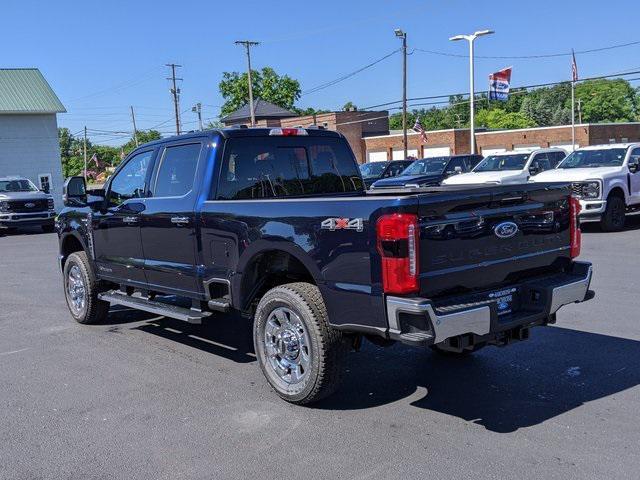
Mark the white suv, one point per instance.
(510, 167)
(606, 179)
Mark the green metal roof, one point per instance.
(24, 90)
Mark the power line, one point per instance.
(348, 75)
(518, 57)
(539, 85)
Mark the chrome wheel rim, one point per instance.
(287, 346)
(76, 290)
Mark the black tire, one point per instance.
(92, 310)
(613, 219)
(464, 353)
(48, 228)
(324, 353)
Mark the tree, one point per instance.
(349, 106)
(498, 118)
(542, 104)
(607, 101)
(143, 136)
(280, 90)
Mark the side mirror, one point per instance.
(457, 170)
(534, 170)
(74, 192)
(634, 164)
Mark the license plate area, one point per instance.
(505, 300)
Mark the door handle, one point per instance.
(130, 220)
(180, 220)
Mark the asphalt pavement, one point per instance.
(149, 397)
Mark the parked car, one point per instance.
(276, 224)
(22, 204)
(373, 171)
(430, 171)
(606, 179)
(510, 168)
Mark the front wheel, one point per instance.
(614, 216)
(81, 290)
(298, 352)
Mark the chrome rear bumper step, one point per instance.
(189, 315)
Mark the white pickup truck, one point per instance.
(606, 179)
(509, 168)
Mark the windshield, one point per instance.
(20, 185)
(372, 170)
(609, 157)
(496, 163)
(427, 166)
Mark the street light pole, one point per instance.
(471, 38)
(403, 36)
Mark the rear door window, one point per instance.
(176, 171)
(276, 167)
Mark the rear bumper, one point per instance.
(419, 321)
(12, 220)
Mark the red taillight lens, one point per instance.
(575, 233)
(397, 241)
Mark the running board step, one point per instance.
(416, 339)
(154, 306)
(219, 304)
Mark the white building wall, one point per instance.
(29, 147)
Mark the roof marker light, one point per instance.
(287, 132)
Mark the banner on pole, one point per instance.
(499, 83)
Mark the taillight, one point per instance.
(287, 132)
(398, 240)
(574, 228)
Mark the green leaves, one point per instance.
(280, 90)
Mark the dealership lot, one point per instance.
(150, 396)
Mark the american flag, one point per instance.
(574, 67)
(417, 127)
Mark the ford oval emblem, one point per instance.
(505, 230)
(29, 205)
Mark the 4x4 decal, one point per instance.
(335, 223)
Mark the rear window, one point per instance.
(255, 168)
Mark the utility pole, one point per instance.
(135, 130)
(84, 149)
(197, 108)
(247, 45)
(403, 36)
(175, 91)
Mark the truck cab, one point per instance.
(606, 179)
(509, 168)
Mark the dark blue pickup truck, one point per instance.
(276, 224)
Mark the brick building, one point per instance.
(454, 141)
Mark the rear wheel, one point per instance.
(81, 290)
(299, 353)
(614, 217)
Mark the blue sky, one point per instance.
(103, 56)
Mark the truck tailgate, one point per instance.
(484, 237)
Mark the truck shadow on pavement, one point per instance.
(501, 389)
(632, 223)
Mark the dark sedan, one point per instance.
(377, 170)
(430, 171)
